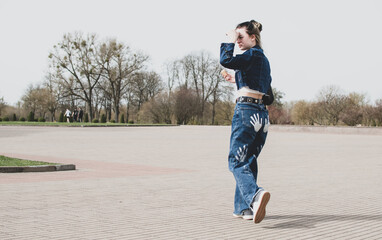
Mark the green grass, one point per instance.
(15, 162)
(76, 124)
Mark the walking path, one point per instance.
(174, 183)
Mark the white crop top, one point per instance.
(246, 89)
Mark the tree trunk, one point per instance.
(213, 111)
(116, 111)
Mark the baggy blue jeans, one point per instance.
(250, 124)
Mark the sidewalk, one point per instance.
(174, 183)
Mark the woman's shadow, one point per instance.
(310, 221)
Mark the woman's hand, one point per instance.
(230, 78)
(232, 36)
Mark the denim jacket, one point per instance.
(251, 68)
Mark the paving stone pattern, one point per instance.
(174, 183)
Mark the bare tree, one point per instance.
(352, 113)
(79, 70)
(119, 64)
(333, 102)
(160, 108)
(38, 100)
(377, 113)
(186, 106)
(55, 93)
(154, 84)
(201, 71)
(220, 90)
(173, 74)
(144, 86)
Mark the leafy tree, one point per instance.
(278, 114)
(3, 104)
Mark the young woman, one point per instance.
(250, 121)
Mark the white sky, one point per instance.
(310, 44)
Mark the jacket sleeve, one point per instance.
(227, 60)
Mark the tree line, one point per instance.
(108, 77)
(332, 106)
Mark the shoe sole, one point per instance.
(260, 214)
(243, 217)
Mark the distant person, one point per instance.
(80, 114)
(67, 115)
(75, 115)
(250, 121)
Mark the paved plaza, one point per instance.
(174, 183)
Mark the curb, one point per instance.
(42, 168)
(95, 125)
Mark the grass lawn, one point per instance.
(76, 124)
(15, 162)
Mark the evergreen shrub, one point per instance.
(30, 117)
(61, 117)
(103, 118)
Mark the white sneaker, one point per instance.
(259, 203)
(246, 214)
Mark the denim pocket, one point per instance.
(250, 114)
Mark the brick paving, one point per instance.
(174, 183)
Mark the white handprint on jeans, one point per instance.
(266, 124)
(241, 153)
(256, 121)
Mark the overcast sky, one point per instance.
(310, 44)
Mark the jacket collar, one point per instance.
(257, 46)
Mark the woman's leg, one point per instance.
(246, 144)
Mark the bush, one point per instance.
(95, 121)
(1, 119)
(86, 117)
(41, 119)
(30, 117)
(103, 118)
(112, 121)
(22, 119)
(61, 117)
(6, 119)
(131, 122)
(14, 117)
(122, 118)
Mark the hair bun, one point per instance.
(257, 25)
